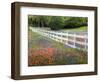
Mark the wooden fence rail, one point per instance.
(77, 40)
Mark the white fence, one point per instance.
(72, 39)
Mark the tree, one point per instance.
(56, 23)
(75, 22)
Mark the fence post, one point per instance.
(74, 40)
(85, 42)
(67, 38)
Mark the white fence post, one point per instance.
(85, 43)
(74, 40)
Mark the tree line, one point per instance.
(56, 22)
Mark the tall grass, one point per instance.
(44, 51)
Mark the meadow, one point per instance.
(44, 51)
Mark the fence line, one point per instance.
(72, 39)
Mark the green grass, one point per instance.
(64, 55)
(36, 37)
(83, 28)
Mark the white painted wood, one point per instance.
(63, 37)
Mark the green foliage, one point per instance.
(75, 22)
(57, 22)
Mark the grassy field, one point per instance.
(83, 28)
(44, 51)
